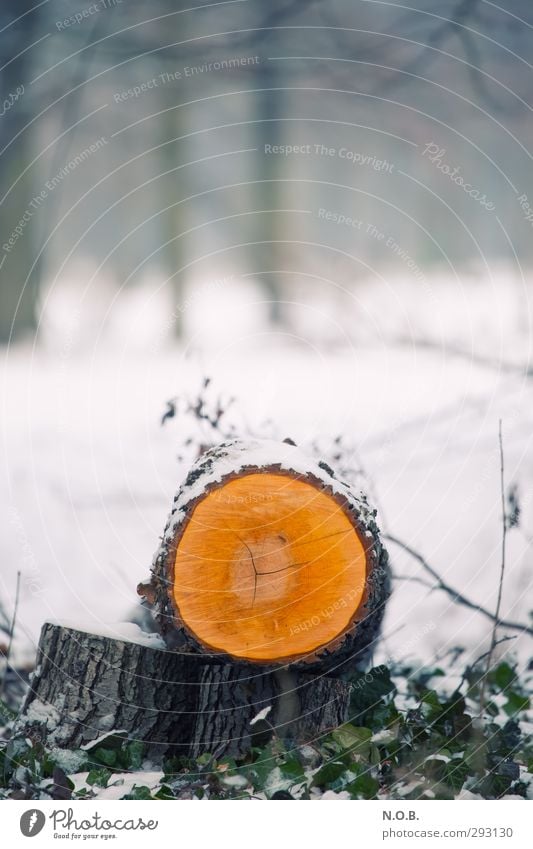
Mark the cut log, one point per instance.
(268, 558)
(86, 686)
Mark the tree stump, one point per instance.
(86, 686)
(268, 558)
(270, 576)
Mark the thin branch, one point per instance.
(504, 528)
(4, 620)
(497, 643)
(414, 579)
(458, 597)
(502, 568)
(477, 661)
(455, 351)
(11, 632)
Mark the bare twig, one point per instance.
(414, 579)
(4, 620)
(520, 369)
(471, 666)
(504, 529)
(458, 597)
(502, 569)
(11, 632)
(497, 643)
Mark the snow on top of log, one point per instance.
(236, 456)
(128, 632)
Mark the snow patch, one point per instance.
(332, 795)
(68, 760)
(126, 631)
(119, 785)
(99, 740)
(42, 714)
(235, 781)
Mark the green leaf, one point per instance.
(292, 768)
(382, 716)
(328, 773)
(6, 713)
(456, 773)
(99, 777)
(374, 756)
(369, 689)
(134, 754)
(354, 739)
(431, 705)
(516, 702)
(503, 676)
(82, 794)
(265, 761)
(105, 756)
(364, 787)
(139, 792)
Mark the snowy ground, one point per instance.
(89, 473)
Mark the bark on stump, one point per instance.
(86, 686)
(268, 558)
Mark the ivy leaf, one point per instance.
(139, 792)
(503, 676)
(134, 754)
(329, 773)
(516, 702)
(356, 740)
(99, 777)
(292, 768)
(108, 757)
(369, 689)
(364, 787)
(431, 706)
(456, 773)
(62, 787)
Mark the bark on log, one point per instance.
(86, 686)
(268, 558)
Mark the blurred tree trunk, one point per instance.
(267, 257)
(18, 293)
(171, 189)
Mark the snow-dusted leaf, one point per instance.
(261, 715)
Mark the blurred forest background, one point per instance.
(183, 166)
(321, 204)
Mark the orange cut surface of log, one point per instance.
(269, 567)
